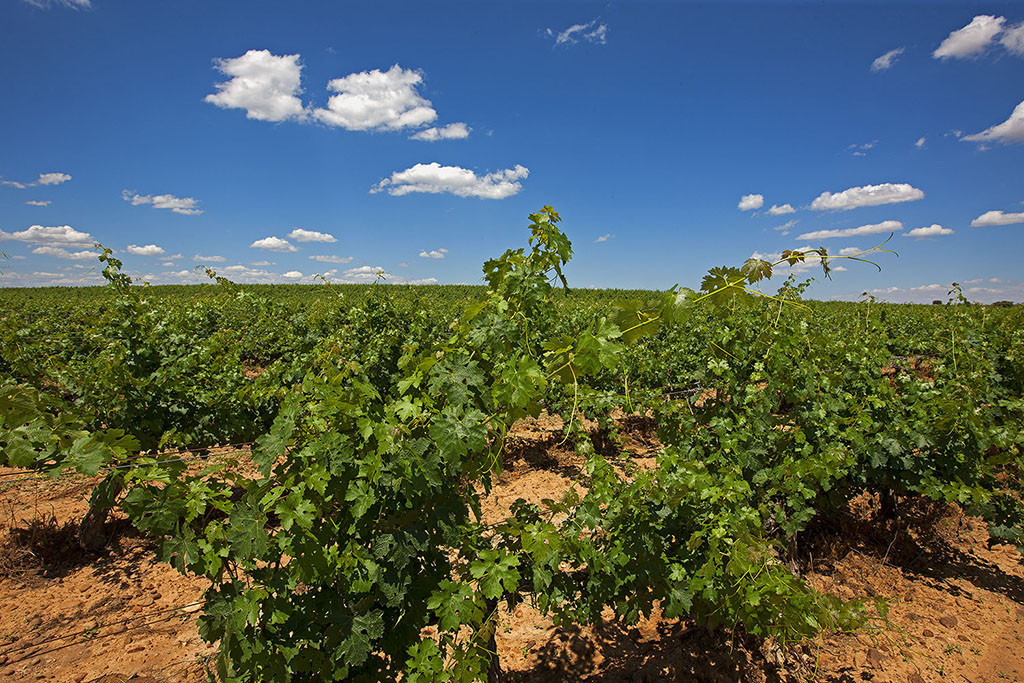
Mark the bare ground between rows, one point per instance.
(956, 606)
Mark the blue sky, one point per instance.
(417, 136)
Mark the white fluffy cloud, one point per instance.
(274, 244)
(266, 86)
(971, 40)
(781, 210)
(43, 179)
(990, 218)
(147, 250)
(188, 206)
(52, 179)
(933, 230)
(1010, 130)
(433, 253)
(367, 274)
(326, 258)
(886, 61)
(591, 32)
(920, 142)
(39, 202)
(434, 178)
(211, 259)
(292, 275)
(872, 229)
(453, 131)
(377, 100)
(60, 252)
(604, 238)
(868, 195)
(63, 235)
(302, 235)
(751, 201)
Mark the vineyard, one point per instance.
(453, 483)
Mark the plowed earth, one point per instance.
(955, 606)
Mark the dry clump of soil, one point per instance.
(954, 605)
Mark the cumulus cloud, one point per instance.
(868, 195)
(188, 206)
(266, 86)
(781, 210)
(434, 178)
(60, 252)
(871, 229)
(39, 202)
(1010, 130)
(147, 250)
(849, 251)
(302, 235)
(990, 218)
(590, 32)
(210, 259)
(63, 235)
(292, 275)
(453, 131)
(933, 230)
(326, 258)
(43, 179)
(887, 60)
(971, 40)
(751, 201)
(367, 274)
(274, 244)
(433, 253)
(604, 238)
(377, 100)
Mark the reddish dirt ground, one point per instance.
(955, 606)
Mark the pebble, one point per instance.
(948, 621)
(928, 633)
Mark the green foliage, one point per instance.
(355, 549)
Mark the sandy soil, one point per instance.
(955, 606)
